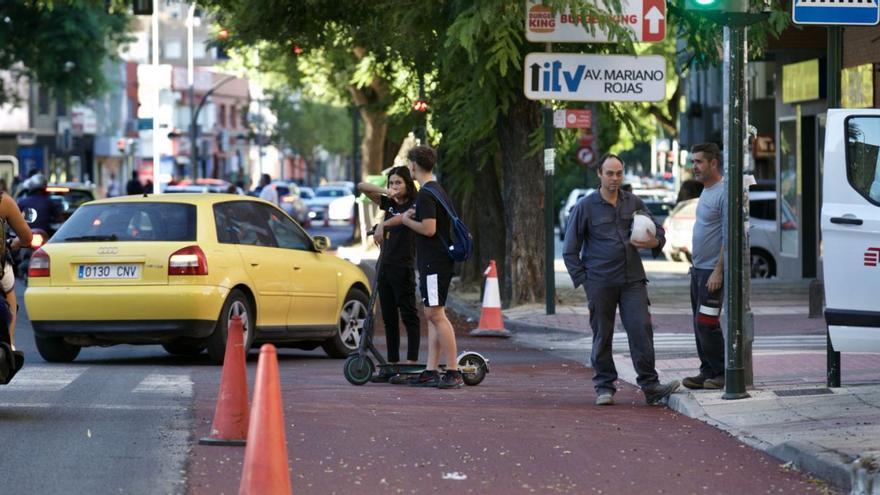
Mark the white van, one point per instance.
(851, 229)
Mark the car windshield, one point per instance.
(66, 198)
(331, 193)
(135, 221)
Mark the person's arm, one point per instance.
(575, 233)
(9, 210)
(716, 279)
(373, 191)
(427, 227)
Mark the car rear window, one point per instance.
(135, 221)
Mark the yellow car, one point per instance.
(173, 269)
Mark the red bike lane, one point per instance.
(530, 427)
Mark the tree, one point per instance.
(62, 45)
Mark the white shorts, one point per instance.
(8, 280)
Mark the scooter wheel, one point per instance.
(473, 369)
(358, 369)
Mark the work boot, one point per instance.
(695, 382)
(716, 383)
(654, 394)
(605, 399)
(427, 378)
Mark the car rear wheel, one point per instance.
(763, 265)
(56, 350)
(185, 347)
(237, 304)
(351, 325)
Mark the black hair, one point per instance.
(606, 156)
(709, 150)
(403, 173)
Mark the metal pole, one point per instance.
(734, 127)
(190, 80)
(549, 201)
(260, 136)
(157, 156)
(835, 63)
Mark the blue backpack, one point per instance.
(462, 246)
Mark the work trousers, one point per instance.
(706, 307)
(397, 297)
(632, 299)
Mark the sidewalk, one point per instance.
(790, 413)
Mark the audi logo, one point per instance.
(108, 250)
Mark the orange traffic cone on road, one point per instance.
(491, 322)
(231, 415)
(265, 469)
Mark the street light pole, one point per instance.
(549, 238)
(190, 80)
(155, 42)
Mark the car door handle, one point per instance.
(254, 263)
(296, 268)
(847, 220)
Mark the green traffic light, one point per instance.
(705, 2)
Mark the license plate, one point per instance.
(108, 271)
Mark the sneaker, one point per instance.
(384, 376)
(657, 392)
(605, 399)
(694, 382)
(403, 379)
(427, 378)
(451, 379)
(714, 383)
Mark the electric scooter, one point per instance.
(360, 367)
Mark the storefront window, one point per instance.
(788, 185)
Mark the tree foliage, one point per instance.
(60, 44)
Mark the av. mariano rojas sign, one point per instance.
(589, 77)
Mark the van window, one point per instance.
(863, 156)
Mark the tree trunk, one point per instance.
(483, 212)
(371, 101)
(522, 279)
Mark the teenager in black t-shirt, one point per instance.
(397, 285)
(430, 221)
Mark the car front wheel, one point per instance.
(351, 325)
(237, 304)
(762, 265)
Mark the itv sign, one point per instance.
(588, 77)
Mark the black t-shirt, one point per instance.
(399, 245)
(431, 250)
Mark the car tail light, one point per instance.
(288, 199)
(38, 239)
(188, 261)
(39, 264)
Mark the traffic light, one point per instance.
(143, 7)
(420, 106)
(728, 6)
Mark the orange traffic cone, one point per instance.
(231, 414)
(491, 323)
(265, 457)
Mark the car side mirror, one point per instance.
(322, 243)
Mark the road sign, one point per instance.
(588, 77)
(836, 12)
(645, 19)
(572, 118)
(585, 155)
(145, 124)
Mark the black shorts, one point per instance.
(434, 284)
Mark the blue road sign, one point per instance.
(836, 12)
(145, 124)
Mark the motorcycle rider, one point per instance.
(10, 213)
(38, 199)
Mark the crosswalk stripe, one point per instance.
(44, 378)
(165, 384)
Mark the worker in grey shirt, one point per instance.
(707, 274)
(599, 254)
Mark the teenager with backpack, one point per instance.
(397, 284)
(432, 224)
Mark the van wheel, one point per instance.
(762, 263)
(351, 325)
(56, 350)
(237, 304)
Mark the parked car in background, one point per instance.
(763, 236)
(658, 201)
(306, 193)
(203, 185)
(291, 202)
(173, 270)
(565, 210)
(332, 203)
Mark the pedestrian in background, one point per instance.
(600, 255)
(267, 190)
(707, 272)
(112, 186)
(134, 186)
(430, 221)
(397, 283)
